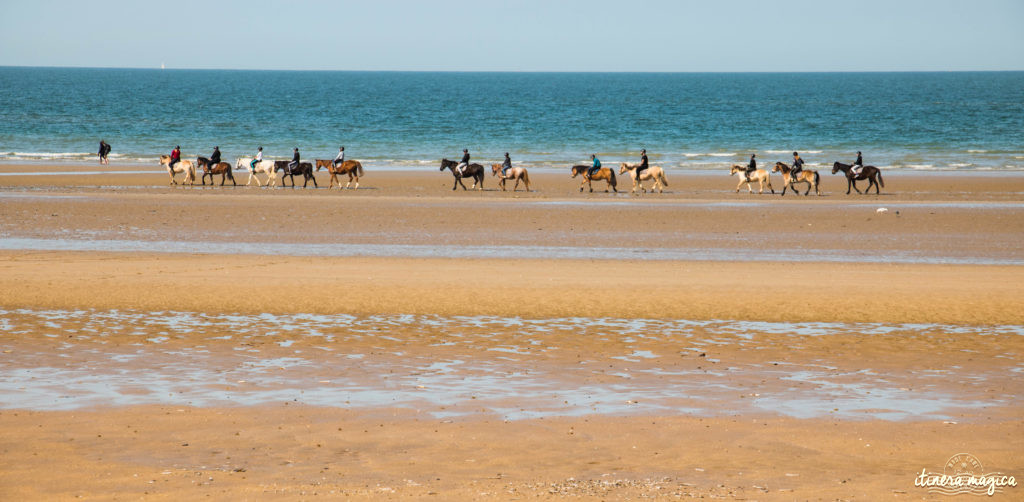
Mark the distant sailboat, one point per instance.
(162, 66)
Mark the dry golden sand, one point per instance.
(296, 451)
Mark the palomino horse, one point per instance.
(475, 171)
(805, 176)
(760, 176)
(515, 173)
(651, 173)
(870, 173)
(263, 166)
(183, 166)
(222, 168)
(304, 168)
(603, 173)
(350, 167)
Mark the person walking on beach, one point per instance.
(464, 163)
(798, 165)
(751, 167)
(175, 156)
(595, 167)
(857, 165)
(643, 163)
(256, 160)
(340, 158)
(104, 151)
(295, 161)
(506, 165)
(215, 156)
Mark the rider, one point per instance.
(257, 159)
(643, 163)
(464, 163)
(104, 150)
(215, 156)
(857, 165)
(798, 165)
(295, 160)
(751, 167)
(594, 168)
(340, 158)
(175, 156)
(506, 165)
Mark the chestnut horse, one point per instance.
(870, 173)
(350, 167)
(475, 171)
(222, 168)
(603, 173)
(183, 166)
(806, 176)
(760, 176)
(651, 173)
(515, 173)
(304, 168)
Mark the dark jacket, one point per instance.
(859, 161)
(465, 159)
(643, 161)
(215, 158)
(752, 166)
(295, 158)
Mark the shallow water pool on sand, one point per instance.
(512, 367)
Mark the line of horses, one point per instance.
(271, 168)
(354, 170)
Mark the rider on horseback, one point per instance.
(506, 165)
(295, 161)
(256, 160)
(751, 167)
(594, 168)
(215, 156)
(643, 163)
(340, 158)
(798, 165)
(464, 163)
(857, 166)
(175, 156)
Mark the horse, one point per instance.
(475, 171)
(761, 176)
(350, 167)
(183, 166)
(652, 173)
(222, 168)
(603, 173)
(263, 166)
(806, 176)
(516, 173)
(870, 173)
(304, 168)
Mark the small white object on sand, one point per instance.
(882, 210)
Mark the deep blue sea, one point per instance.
(923, 121)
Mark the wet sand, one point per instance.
(806, 348)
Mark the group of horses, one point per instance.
(271, 168)
(520, 174)
(762, 177)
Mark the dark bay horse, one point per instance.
(304, 168)
(350, 167)
(805, 176)
(222, 168)
(870, 173)
(604, 173)
(475, 171)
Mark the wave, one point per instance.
(977, 151)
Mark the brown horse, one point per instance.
(222, 168)
(183, 166)
(870, 173)
(304, 168)
(651, 173)
(475, 171)
(806, 176)
(603, 173)
(760, 176)
(350, 167)
(515, 173)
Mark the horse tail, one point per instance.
(359, 168)
(662, 176)
(611, 178)
(526, 177)
(817, 178)
(880, 182)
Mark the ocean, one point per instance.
(970, 121)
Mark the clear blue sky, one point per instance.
(526, 35)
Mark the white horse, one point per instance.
(182, 166)
(263, 166)
(759, 176)
(651, 173)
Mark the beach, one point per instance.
(404, 340)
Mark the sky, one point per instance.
(525, 35)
